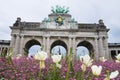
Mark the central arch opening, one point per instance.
(59, 47)
(84, 48)
(32, 47)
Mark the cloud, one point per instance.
(84, 11)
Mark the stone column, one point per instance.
(44, 45)
(12, 43)
(16, 49)
(21, 45)
(69, 45)
(116, 52)
(96, 49)
(74, 48)
(100, 47)
(106, 48)
(110, 57)
(48, 45)
(0, 47)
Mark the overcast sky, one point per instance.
(84, 11)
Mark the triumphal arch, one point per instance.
(60, 29)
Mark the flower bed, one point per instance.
(24, 68)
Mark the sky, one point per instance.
(81, 50)
(83, 11)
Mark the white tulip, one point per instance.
(42, 64)
(114, 74)
(41, 55)
(96, 70)
(118, 57)
(56, 58)
(86, 60)
(117, 61)
(18, 56)
(58, 65)
(102, 59)
(83, 67)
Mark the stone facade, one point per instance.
(4, 46)
(70, 34)
(114, 49)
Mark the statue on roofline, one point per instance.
(17, 22)
(60, 9)
(45, 21)
(52, 9)
(67, 10)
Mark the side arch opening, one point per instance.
(59, 47)
(32, 47)
(84, 48)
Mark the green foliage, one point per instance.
(2, 79)
(24, 68)
(70, 68)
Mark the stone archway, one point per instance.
(29, 44)
(88, 45)
(59, 43)
(50, 34)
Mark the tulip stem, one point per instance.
(69, 62)
(54, 71)
(82, 76)
(40, 71)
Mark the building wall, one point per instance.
(4, 46)
(114, 49)
(71, 33)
